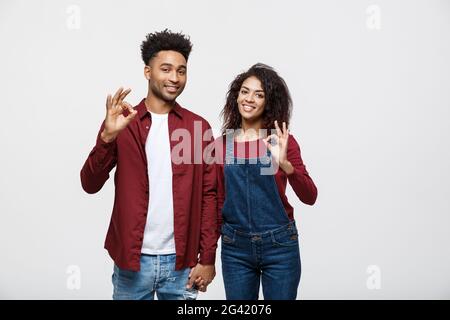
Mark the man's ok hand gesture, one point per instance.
(115, 121)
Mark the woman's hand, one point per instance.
(201, 276)
(279, 149)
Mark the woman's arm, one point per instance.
(299, 179)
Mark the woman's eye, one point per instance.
(260, 96)
(243, 92)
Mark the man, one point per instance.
(162, 231)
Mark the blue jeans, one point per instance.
(272, 257)
(158, 275)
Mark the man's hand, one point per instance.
(115, 121)
(202, 275)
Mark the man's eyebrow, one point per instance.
(250, 90)
(166, 64)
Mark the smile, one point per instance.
(248, 108)
(171, 88)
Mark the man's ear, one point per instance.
(147, 72)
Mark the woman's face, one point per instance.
(251, 99)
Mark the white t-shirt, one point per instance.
(159, 234)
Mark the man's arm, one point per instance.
(103, 156)
(204, 272)
(99, 163)
(208, 227)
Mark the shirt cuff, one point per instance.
(293, 173)
(105, 145)
(104, 151)
(208, 258)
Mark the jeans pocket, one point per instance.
(288, 238)
(227, 236)
(226, 239)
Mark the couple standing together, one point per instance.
(168, 215)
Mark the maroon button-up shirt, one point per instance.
(193, 184)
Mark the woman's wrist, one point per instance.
(287, 167)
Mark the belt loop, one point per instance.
(272, 236)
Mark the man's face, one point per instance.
(167, 74)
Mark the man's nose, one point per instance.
(173, 77)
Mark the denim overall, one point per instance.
(259, 242)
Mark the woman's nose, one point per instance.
(249, 98)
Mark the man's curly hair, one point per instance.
(165, 40)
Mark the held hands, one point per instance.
(279, 149)
(115, 121)
(202, 276)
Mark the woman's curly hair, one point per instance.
(278, 102)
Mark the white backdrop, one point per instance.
(370, 82)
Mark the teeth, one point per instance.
(171, 88)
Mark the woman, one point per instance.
(256, 221)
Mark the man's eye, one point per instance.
(165, 70)
(182, 72)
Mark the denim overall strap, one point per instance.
(229, 147)
(252, 201)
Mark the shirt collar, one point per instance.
(142, 109)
